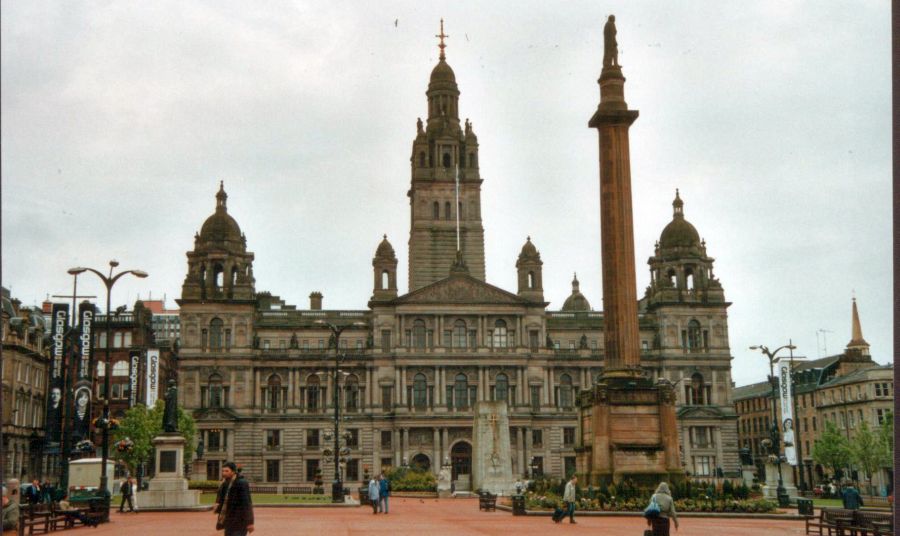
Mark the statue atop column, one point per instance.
(170, 414)
(610, 46)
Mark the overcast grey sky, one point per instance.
(120, 118)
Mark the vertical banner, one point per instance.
(86, 318)
(60, 321)
(787, 411)
(152, 390)
(134, 366)
(81, 414)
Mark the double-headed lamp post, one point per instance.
(776, 448)
(337, 486)
(109, 281)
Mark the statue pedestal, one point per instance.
(491, 460)
(770, 490)
(444, 482)
(748, 472)
(169, 489)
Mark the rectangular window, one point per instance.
(353, 438)
(446, 340)
(568, 437)
(880, 415)
(214, 440)
(814, 424)
(537, 438)
(535, 397)
(273, 439)
(282, 345)
(312, 438)
(351, 473)
(386, 439)
(305, 345)
(386, 464)
(359, 345)
(386, 402)
(321, 344)
(537, 466)
(702, 466)
(273, 470)
(385, 340)
(569, 466)
(533, 340)
(312, 467)
(126, 340)
(556, 345)
(473, 339)
(117, 340)
(644, 345)
(267, 344)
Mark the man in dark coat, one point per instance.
(851, 498)
(236, 509)
(34, 494)
(127, 491)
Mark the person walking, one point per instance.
(384, 491)
(235, 512)
(127, 491)
(569, 498)
(660, 523)
(851, 498)
(374, 489)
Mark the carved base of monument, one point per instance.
(629, 432)
(491, 460)
(748, 473)
(770, 489)
(169, 489)
(444, 482)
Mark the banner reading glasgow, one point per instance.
(59, 322)
(787, 411)
(134, 366)
(152, 391)
(86, 315)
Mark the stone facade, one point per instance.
(258, 373)
(26, 366)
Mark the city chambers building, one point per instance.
(259, 374)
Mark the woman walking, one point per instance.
(374, 488)
(660, 523)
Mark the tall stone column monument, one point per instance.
(168, 488)
(491, 460)
(627, 422)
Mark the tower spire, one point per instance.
(441, 45)
(856, 340)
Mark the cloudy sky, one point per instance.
(119, 119)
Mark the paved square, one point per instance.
(458, 517)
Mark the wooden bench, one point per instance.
(34, 517)
(487, 501)
(841, 522)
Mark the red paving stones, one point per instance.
(409, 517)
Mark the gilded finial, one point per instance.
(441, 36)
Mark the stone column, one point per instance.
(445, 444)
(612, 120)
(520, 451)
(397, 446)
(405, 445)
(376, 451)
(436, 447)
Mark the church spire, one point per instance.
(441, 45)
(856, 341)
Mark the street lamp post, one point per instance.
(108, 281)
(337, 486)
(783, 499)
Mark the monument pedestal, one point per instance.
(748, 473)
(491, 460)
(444, 482)
(770, 489)
(168, 490)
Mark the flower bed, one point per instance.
(549, 501)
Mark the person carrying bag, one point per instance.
(659, 511)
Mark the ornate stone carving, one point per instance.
(462, 289)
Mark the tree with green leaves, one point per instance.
(141, 424)
(831, 450)
(866, 450)
(886, 440)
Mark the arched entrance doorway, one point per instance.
(420, 463)
(461, 461)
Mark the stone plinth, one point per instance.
(770, 489)
(168, 490)
(444, 481)
(748, 473)
(629, 431)
(491, 460)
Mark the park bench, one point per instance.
(841, 522)
(487, 501)
(34, 517)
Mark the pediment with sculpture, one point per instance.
(461, 289)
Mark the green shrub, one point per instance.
(204, 485)
(407, 479)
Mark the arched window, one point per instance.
(218, 276)
(695, 339)
(234, 275)
(120, 368)
(436, 210)
(500, 339)
(459, 334)
(385, 280)
(312, 392)
(671, 277)
(214, 391)
(447, 161)
(418, 333)
(461, 392)
(689, 279)
(351, 393)
(420, 391)
(422, 159)
(447, 210)
(215, 334)
(530, 279)
(697, 392)
(471, 160)
(501, 387)
(565, 391)
(101, 369)
(273, 392)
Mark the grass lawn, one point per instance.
(273, 498)
(827, 503)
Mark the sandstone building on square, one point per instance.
(258, 373)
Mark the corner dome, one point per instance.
(220, 226)
(529, 251)
(576, 302)
(385, 250)
(679, 233)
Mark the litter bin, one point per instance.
(804, 506)
(518, 505)
(363, 495)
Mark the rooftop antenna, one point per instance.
(824, 340)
